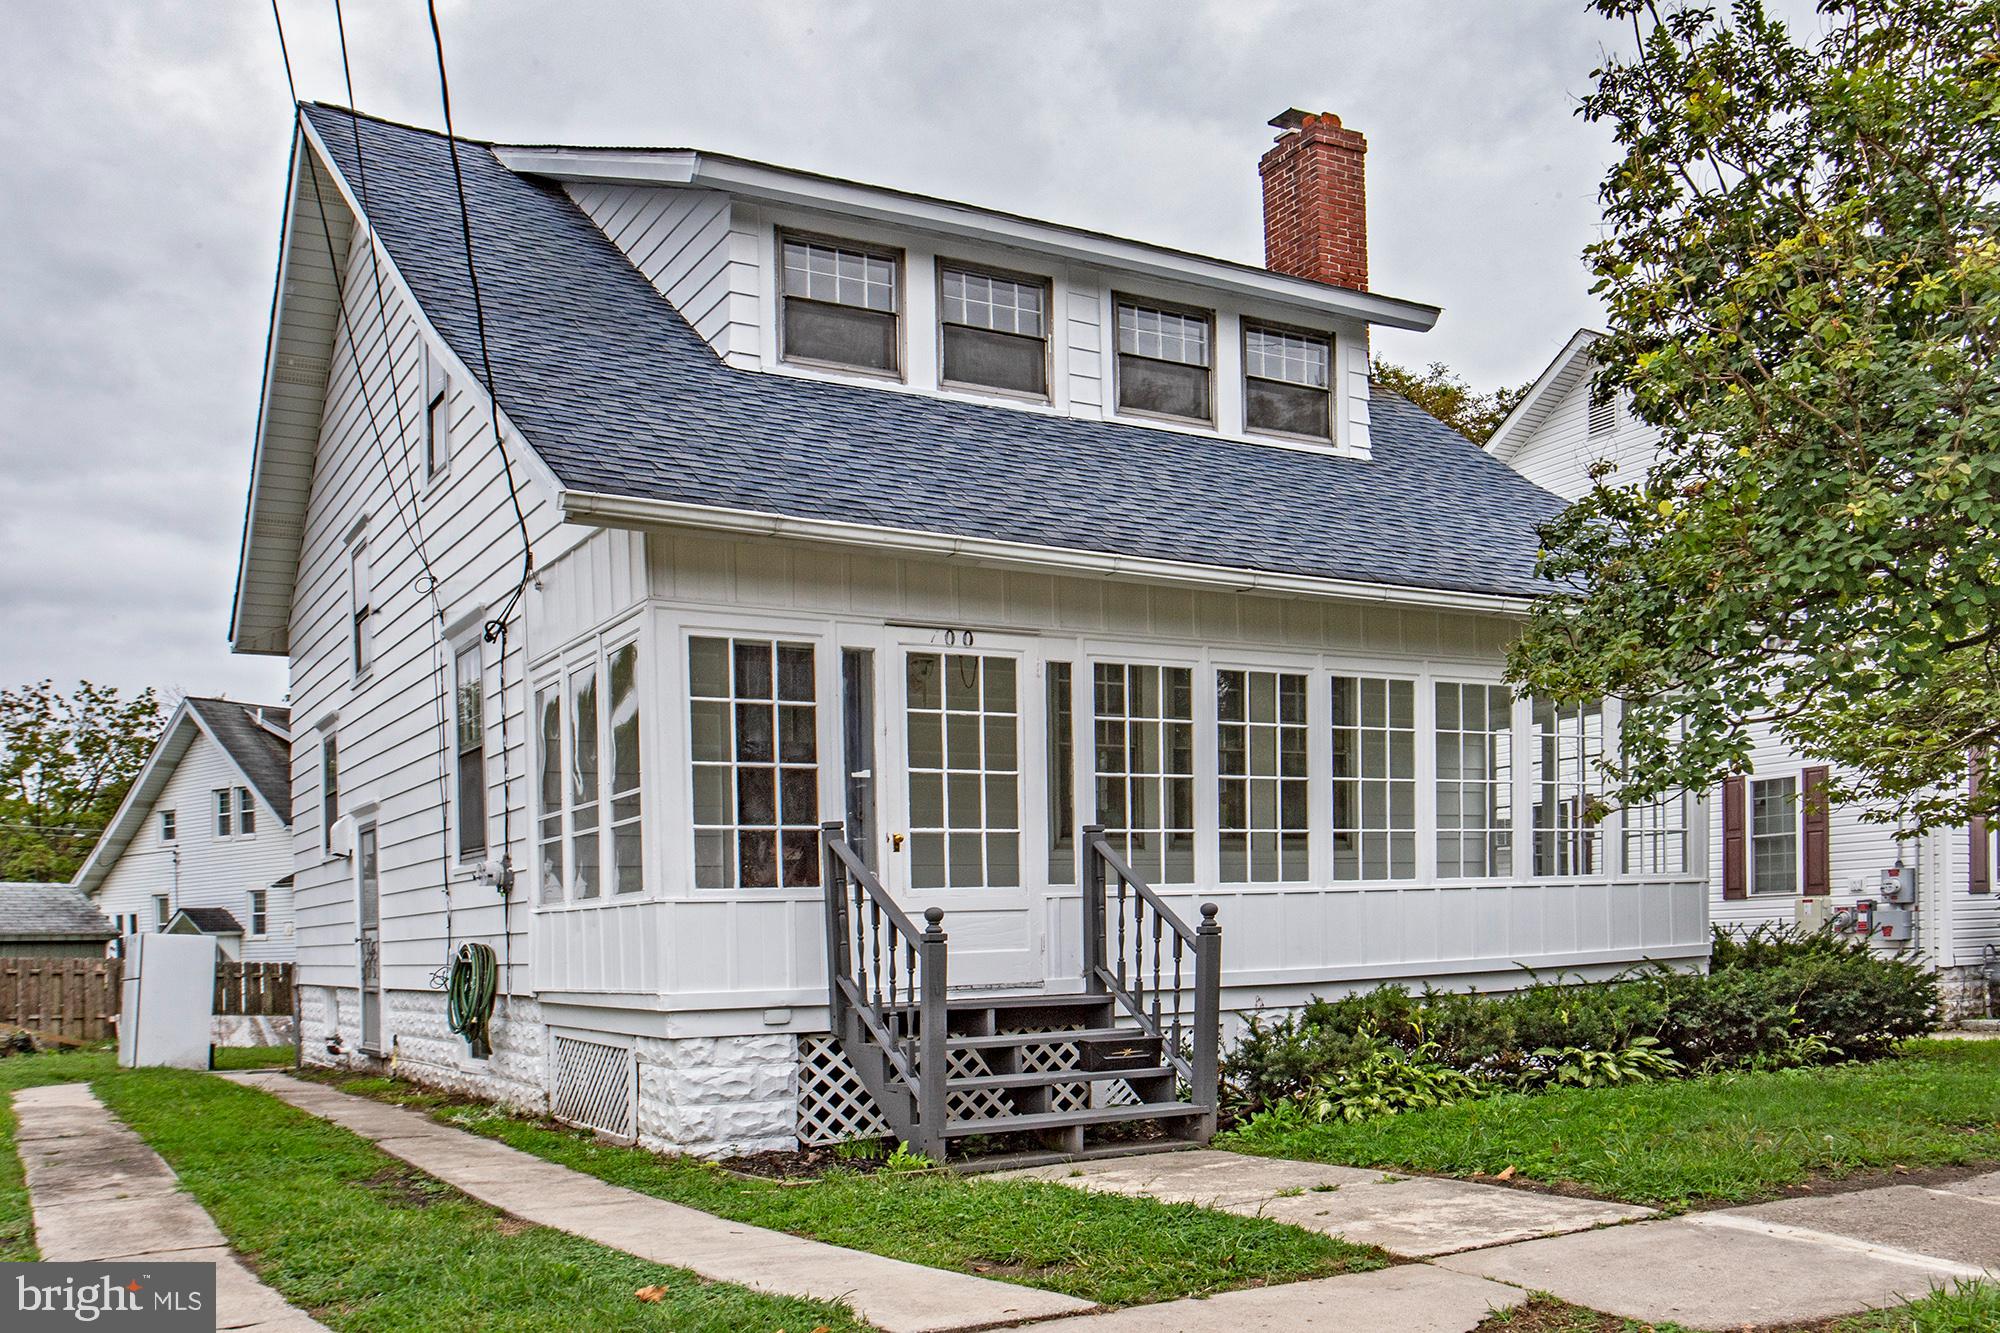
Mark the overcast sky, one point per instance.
(143, 148)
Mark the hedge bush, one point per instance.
(1771, 999)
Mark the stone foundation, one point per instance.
(1967, 993)
(719, 1095)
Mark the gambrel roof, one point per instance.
(623, 401)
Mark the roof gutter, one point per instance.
(622, 511)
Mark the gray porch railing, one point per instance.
(886, 994)
(1166, 976)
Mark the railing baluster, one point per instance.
(1158, 923)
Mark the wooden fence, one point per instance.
(253, 988)
(70, 999)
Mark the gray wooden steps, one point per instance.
(1096, 1115)
(1006, 1040)
(1047, 1077)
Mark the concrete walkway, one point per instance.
(889, 1293)
(99, 1193)
(1411, 1298)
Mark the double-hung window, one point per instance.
(1774, 835)
(841, 305)
(260, 912)
(1144, 743)
(1374, 778)
(1475, 780)
(1287, 382)
(162, 911)
(235, 812)
(469, 748)
(589, 829)
(1260, 732)
(1566, 777)
(169, 829)
(994, 331)
(754, 731)
(1165, 356)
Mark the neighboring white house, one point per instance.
(1773, 857)
(951, 527)
(203, 840)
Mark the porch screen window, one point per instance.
(840, 306)
(470, 744)
(549, 789)
(1475, 780)
(1163, 362)
(1774, 835)
(1261, 754)
(965, 771)
(995, 331)
(1374, 778)
(627, 844)
(585, 857)
(1145, 766)
(1062, 774)
(755, 734)
(1566, 774)
(1656, 836)
(1287, 383)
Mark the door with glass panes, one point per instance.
(961, 812)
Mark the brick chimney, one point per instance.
(1316, 201)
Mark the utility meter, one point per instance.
(1899, 885)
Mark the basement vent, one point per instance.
(593, 1086)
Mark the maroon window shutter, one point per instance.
(1818, 816)
(1733, 865)
(1979, 859)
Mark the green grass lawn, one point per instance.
(1723, 1138)
(364, 1242)
(1101, 1247)
(1964, 1307)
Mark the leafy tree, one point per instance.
(1801, 264)
(1439, 391)
(66, 761)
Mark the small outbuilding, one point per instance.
(51, 921)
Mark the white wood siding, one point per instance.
(697, 252)
(198, 869)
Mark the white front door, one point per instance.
(963, 823)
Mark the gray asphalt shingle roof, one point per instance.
(212, 920)
(50, 912)
(618, 394)
(264, 756)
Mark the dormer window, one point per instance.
(1164, 360)
(841, 306)
(1287, 382)
(995, 331)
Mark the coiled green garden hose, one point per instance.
(475, 979)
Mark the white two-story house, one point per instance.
(845, 556)
(1776, 855)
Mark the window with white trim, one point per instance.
(549, 792)
(581, 790)
(1061, 752)
(1287, 382)
(1566, 769)
(1144, 747)
(162, 911)
(622, 774)
(469, 749)
(437, 415)
(1260, 730)
(329, 789)
(1164, 361)
(260, 912)
(1474, 738)
(360, 607)
(1656, 836)
(169, 829)
(994, 331)
(1774, 835)
(963, 728)
(753, 705)
(1374, 778)
(841, 305)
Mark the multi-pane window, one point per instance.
(627, 844)
(1261, 757)
(1163, 361)
(1566, 771)
(1656, 836)
(1774, 835)
(260, 911)
(1062, 774)
(549, 786)
(755, 732)
(1475, 780)
(235, 812)
(169, 830)
(329, 789)
(469, 734)
(965, 771)
(1144, 743)
(437, 416)
(1374, 778)
(246, 812)
(995, 331)
(1287, 382)
(840, 305)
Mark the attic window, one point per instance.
(841, 306)
(437, 416)
(995, 331)
(1603, 414)
(1287, 382)
(1164, 357)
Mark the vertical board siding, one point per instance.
(68, 999)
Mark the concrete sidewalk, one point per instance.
(99, 1193)
(889, 1293)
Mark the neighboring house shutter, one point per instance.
(1734, 863)
(1818, 818)
(1979, 859)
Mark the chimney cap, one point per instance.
(1289, 119)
